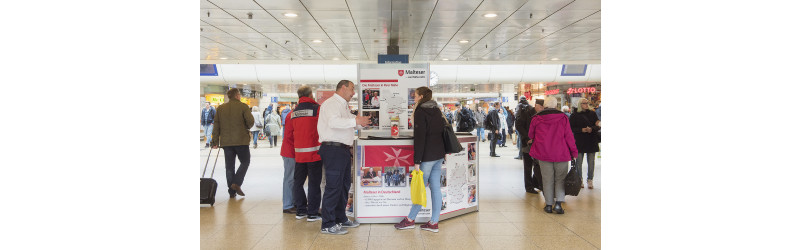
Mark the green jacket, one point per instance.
(232, 124)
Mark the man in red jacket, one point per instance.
(301, 125)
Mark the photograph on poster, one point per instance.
(395, 176)
(443, 179)
(370, 98)
(471, 172)
(471, 151)
(471, 191)
(411, 98)
(444, 199)
(374, 118)
(370, 177)
(409, 118)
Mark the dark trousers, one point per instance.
(231, 153)
(337, 162)
(531, 181)
(314, 170)
(493, 137)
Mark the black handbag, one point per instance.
(572, 180)
(452, 144)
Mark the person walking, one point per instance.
(429, 153)
(336, 127)
(231, 133)
(503, 126)
(302, 125)
(585, 125)
(553, 145)
(273, 127)
(480, 116)
(493, 124)
(207, 121)
(531, 180)
(258, 124)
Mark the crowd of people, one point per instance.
(317, 141)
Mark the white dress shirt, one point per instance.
(336, 123)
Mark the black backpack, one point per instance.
(466, 121)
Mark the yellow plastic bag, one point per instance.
(418, 188)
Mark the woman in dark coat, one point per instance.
(429, 152)
(585, 125)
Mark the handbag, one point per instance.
(418, 188)
(452, 144)
(572, 180)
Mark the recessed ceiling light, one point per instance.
(317, 41)
(444, 59)
(554, 59)
(290, 15)
(490, 15)
(464, 41)
(223, 58)
(336, 58)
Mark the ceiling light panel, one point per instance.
(325, 4)
(236, 4)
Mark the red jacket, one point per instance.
(288, 144)
(301, 130)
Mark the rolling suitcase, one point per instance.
(208, 186)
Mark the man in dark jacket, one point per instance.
(493, 124)
(523, 122)
(522, 105)
(234, 121)
(465, 121)
(207, 121)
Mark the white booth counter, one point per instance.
(381, 179)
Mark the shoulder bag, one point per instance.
(452, 144)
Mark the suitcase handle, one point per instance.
(207, 164)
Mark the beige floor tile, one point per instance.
(347, 241)
(245, 232)
(259, 219)
(594, 239)
(286, 240)
(535, 215)
(484, 217)
(206, 231)
(448, 229)
(455, 241)
(506, 242)
(542, 228)
(569, 217)
(233, 244)
(219, 219)
(584, 228)
(561, 242)
(395, 242)
(513, 207)
(389, 230)
(493, 229)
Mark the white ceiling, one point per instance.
(426, 30)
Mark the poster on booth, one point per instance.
(384, 95)
(383, 181)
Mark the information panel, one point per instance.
(384, 93)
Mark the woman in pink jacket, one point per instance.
(553, 145)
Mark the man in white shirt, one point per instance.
(336, 127)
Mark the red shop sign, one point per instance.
(580, 90)
(552, 92)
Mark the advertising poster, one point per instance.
(383, 179)
(385, 94)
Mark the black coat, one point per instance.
(428, 127)
(522, 124)
(585, 142)
(493, 121)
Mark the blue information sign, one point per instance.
(393, 59)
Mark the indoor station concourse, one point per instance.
(476, 52)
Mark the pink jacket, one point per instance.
(553, 139)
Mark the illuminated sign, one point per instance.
(580, 90)
(552, 92)
(214, 98)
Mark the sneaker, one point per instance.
(300, 216)
(313, 218)
(405, 224)
(430, 227)
(349, 224)
(335, 229)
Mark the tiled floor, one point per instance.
(508, 217)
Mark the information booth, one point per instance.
(383, 158)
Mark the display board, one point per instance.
(385, 93)
(382, 181)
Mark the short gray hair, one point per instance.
(550, 102)
(304, 91)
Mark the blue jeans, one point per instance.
(432, 171)
(207, 129)
(255, 136)
(480, 133)
(289, 181)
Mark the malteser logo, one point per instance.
(400, 72)
(414, 72)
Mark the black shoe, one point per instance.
(532, 191)
(291, 211)
(232, 195)
(518, 158)
(495, 156)
(548, 209)
(301, 216)
(558, 208)
(207, 145)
